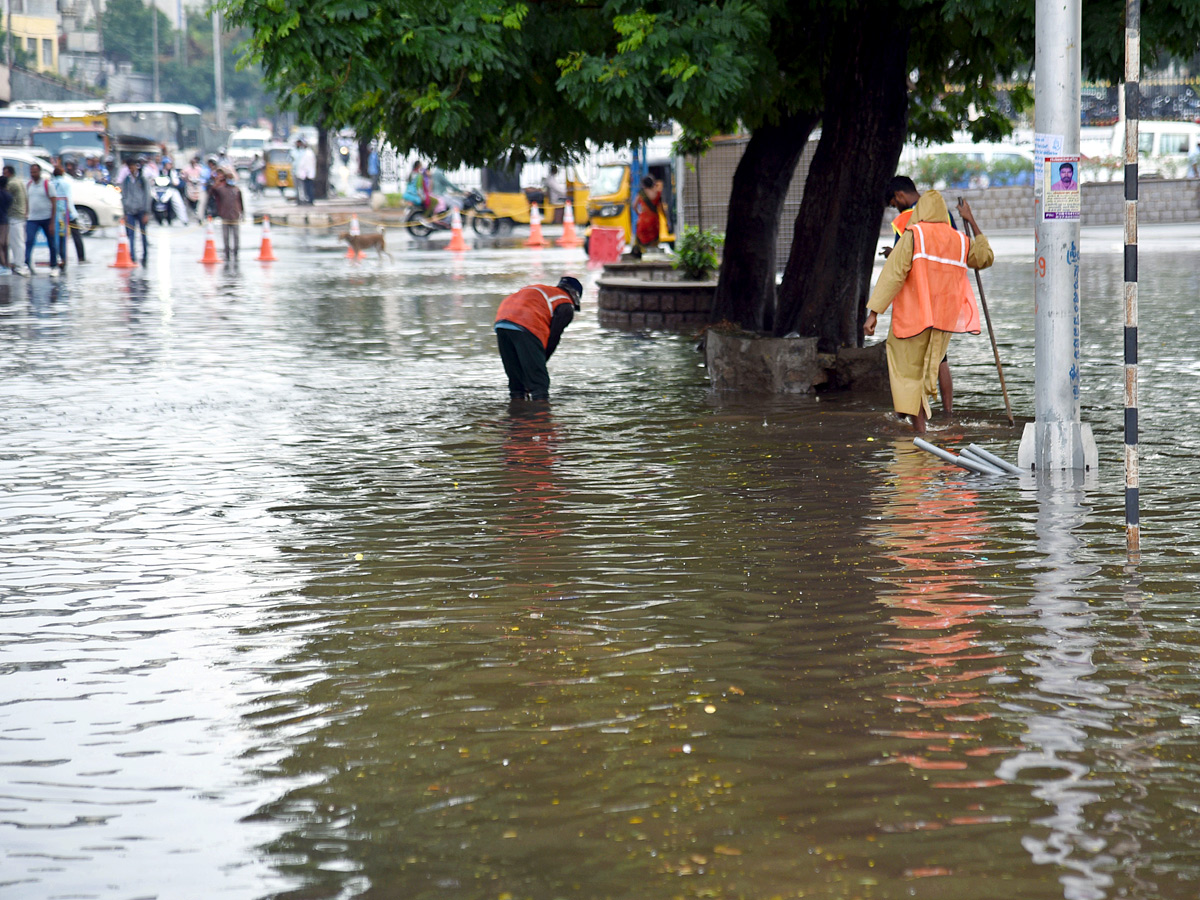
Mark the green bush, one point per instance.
(696, 252)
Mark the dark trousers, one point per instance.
(77, 238)
(524, 360)
(137, 221)
(47, 228)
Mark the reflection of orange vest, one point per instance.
(532, 308)
(936, 293)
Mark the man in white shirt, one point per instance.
(306, 172)
(41, 196)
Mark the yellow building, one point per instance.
(35, 30)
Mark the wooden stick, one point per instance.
(991, 333)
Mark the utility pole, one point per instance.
(218, 75)
(1057, 440)
(178, 30)
(154, 33)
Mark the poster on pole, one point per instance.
(1060, 197)
(1045, 145)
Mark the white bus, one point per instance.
(15, 124)
(174, 126)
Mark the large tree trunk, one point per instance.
(828, 275)
(746, 285)
(321, 187)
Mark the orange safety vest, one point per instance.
(936, 293)
(532, 308)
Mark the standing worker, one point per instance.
(902, 195)
(528, 327)
(925, 281)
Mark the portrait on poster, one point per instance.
(1060, 199)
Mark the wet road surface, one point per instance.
(296, 605)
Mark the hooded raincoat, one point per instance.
(926, 276)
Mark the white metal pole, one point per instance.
(1057, 440)
(218, 74)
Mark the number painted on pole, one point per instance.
(1041, 267)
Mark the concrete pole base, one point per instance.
(1053, 446)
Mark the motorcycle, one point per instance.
(166, 202)
(483, 221)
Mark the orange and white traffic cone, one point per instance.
(535, 238)
(265, 253)
(456, 234)
(124, 260)
(210, 245)
(569, 237)
(355, 231)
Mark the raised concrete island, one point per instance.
(651, 294)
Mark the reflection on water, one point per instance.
(297, 605)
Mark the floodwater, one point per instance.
(296, 606)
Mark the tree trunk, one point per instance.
(828, 276)
(746, 284)
(321, 187)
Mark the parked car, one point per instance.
(99, 205)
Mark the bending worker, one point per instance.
(529, 325)
(925, 282)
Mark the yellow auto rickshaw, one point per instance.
(510, 202)
(612, 193)
(278, 170)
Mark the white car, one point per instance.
(99, 205)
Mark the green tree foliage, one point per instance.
(128, 27)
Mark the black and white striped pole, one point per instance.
(1133, 65)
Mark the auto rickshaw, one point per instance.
(510, 202)
(277, 172)
(612, 194)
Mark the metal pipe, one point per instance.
(995, 460)
(950, 457)
(991, 470)
(1133, 40)
(1056, 439)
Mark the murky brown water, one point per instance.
(294, 604)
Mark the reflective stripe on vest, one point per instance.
(936, 293)
(525, 308)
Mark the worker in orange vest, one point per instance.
(925, 282)
(528, 327)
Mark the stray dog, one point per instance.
(359, 243)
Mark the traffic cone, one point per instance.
(456, 235)
(210, 245)
(535, 238)
(569, 238)
(124, 260)
(355, 231)
(265, 253)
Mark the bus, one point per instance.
(74, 112)
(16, 123)
(173, 126)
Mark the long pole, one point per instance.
(1133, 65)
(1057, 440)
(218, 74)
(154, 33)
(178, 30)
(991, 333)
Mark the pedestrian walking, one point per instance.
(41, 198)
(17, 214)
(225, 199)
(135, 201)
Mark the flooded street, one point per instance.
(296, 606)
